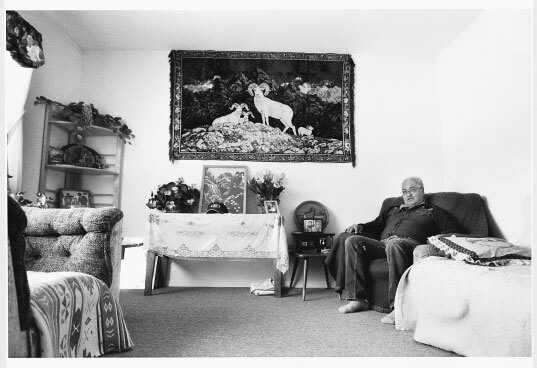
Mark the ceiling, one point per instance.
(340, 31)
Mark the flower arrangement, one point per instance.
(266, 187)
(176, 196)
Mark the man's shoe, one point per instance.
(389, 319)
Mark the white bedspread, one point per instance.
(468, 309)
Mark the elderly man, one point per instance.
(392, 235)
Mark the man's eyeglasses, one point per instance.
(411, 190)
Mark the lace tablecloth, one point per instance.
(235, 236)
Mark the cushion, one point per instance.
(482, 251)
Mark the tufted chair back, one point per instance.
(86, 240)
(467, 210)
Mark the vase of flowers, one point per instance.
(266, 187)
(176, 196)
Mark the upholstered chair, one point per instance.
(468, 212)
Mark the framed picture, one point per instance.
(225, 184)
(74, 198)
(271, 207)
(261, 106)
(313, 226)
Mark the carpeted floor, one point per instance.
(229, 322)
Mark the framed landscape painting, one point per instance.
(224, 184)
(261, 106)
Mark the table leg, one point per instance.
(295, 266)
(326, 274)
(305, 279)
(277, 281)
(161, 275)
(149, 271)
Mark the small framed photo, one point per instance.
(271, 207)
(313, 226)
(74, 198)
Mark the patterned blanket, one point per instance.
(76, 315)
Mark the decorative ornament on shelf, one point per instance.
(266, 187)
(85, 115)
(42, 200)
(176, 196)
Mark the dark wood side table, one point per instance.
(305, 256)
(130, 243)
(313, 242)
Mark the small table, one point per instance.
(214, 237)
(130, 243)
(306, 256)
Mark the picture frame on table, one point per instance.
(74, 198)
(224, 184)
(271, 206)
(313, 226)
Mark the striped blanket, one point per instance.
(76, 315)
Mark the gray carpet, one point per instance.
(229, 322)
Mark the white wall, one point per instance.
(485, 98)
(17, 82)
(481, 80)
(397, 130)
(59, 79)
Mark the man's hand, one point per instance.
(356, 229)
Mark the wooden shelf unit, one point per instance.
(75, 177)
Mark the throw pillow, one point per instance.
(482, 251)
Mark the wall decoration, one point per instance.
(74, 198)
(224, 184)
(261, 106)
(23, 41)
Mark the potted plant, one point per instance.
(84, 115)
(176, 196)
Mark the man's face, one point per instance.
(412, 193)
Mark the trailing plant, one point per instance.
(84, 115)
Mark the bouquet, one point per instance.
(265, 187)
(176, 196)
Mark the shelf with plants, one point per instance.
(81, 135)
(92, 130)
(81, 169)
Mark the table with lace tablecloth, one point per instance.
(216, 236)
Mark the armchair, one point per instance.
(70, 261)
(468, 212)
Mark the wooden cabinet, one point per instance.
(312, 242)
(103, 184)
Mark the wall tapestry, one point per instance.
(261, 106)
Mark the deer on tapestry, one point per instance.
(270, 108)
